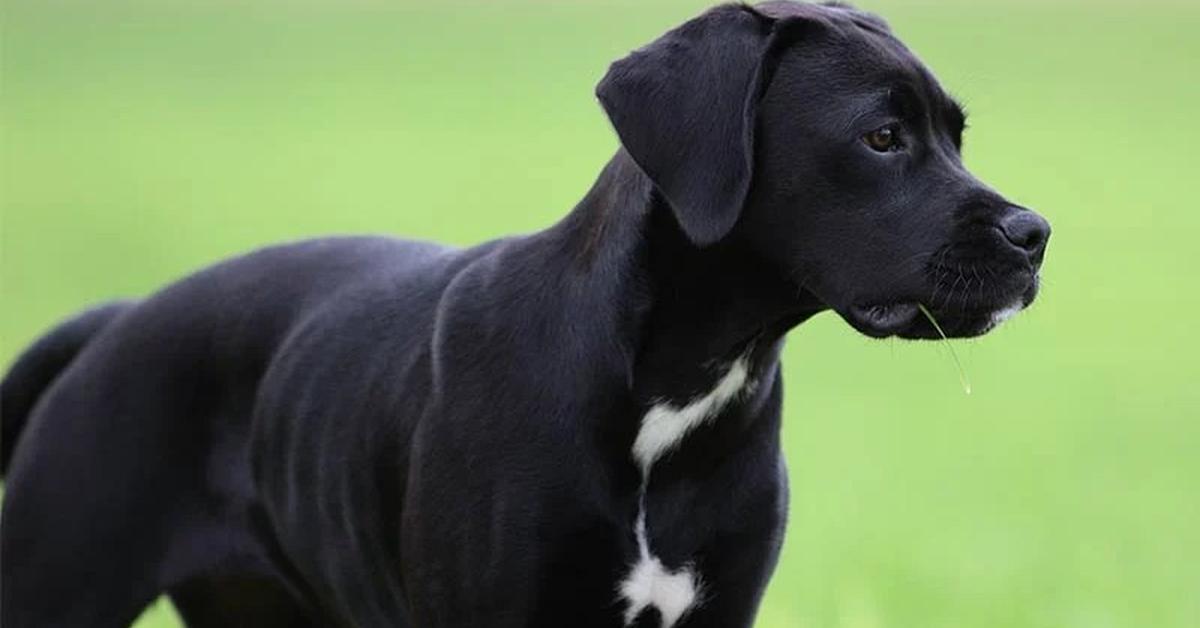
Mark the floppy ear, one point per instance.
(685, 106)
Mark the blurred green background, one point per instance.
(144, 140)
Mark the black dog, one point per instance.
(579, 427)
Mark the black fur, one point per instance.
(377, 432)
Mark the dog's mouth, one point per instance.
(883, 320)
(905, 319)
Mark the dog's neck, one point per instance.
(694, 310)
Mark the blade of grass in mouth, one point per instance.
(962, 373)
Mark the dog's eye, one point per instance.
(884, 139)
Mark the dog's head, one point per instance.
(811, 134)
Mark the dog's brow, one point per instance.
(956, 112)
(908, 98)
(862, 108)
(912, 100)
(955, 118)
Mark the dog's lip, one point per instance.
(883, 319)
(902, 316)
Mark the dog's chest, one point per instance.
(672, 590)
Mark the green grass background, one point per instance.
(142, 140)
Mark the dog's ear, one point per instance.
(684, 108)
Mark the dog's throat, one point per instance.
(650, 583)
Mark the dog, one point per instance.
(578, 427)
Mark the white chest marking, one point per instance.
(649, 582)
(664, 425)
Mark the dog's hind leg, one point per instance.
(225, 574)
(107, 480)
(78, 548)
(222, 601)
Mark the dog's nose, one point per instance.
(1027, 231)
